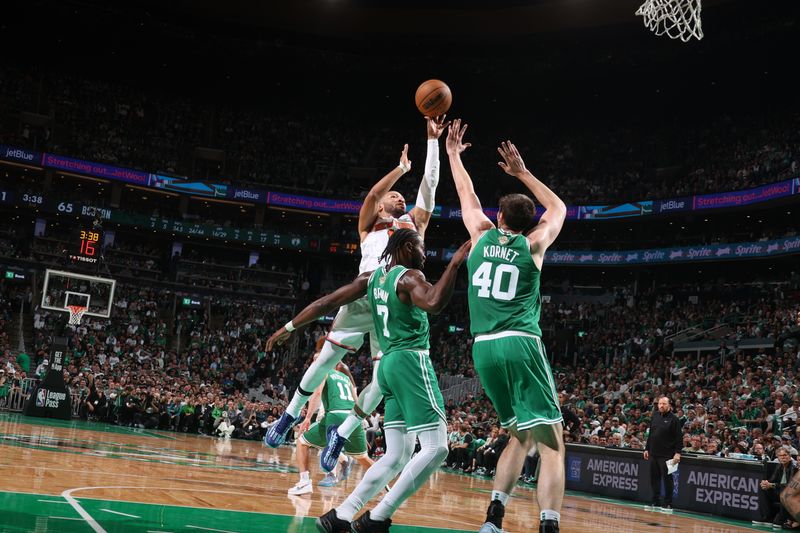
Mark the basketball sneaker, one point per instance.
(304, 486)
(347, 467)
(364, 524)
(330, 480)
(548, 526)
(330, 523)
(277, 433)
(494, 516)
(330, 454)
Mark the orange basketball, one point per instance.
(433, 98)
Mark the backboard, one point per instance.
(62, 289)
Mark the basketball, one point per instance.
(433, 98)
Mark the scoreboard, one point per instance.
(85, 245)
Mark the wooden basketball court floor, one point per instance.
(72, 476)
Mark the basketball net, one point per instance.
(677, 19)
(76, 313)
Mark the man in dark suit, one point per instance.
(772, 512)
(663, 443)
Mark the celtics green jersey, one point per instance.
(504, 285)
(338, 394)
(399, 326)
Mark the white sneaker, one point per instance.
(302, 487)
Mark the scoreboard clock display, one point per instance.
(86, 245)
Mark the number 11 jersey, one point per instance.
(503, 285)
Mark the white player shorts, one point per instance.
(352, 322)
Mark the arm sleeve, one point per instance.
(430, 180)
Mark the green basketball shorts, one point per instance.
(317, 434)
(411, 392)
(514, 371)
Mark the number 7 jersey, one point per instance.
(503, 285)
(399, 326)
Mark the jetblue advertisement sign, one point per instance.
(247, 195)
(673, 205)
(20, 155)
(763, 193)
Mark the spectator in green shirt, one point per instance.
(24, 362)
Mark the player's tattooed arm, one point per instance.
(341, 296)
(369, 209)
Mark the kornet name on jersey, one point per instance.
(373, 246)
(503, 285)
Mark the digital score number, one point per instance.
(86, 245)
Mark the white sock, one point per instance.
(399, 446)
(549, 514)
(297, 403)
(304, 476)
(501, 496)
(416, 472)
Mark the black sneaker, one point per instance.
(364, 524)
(330, 523)
(548, 526)
(495, 513)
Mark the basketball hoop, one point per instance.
(677, 19)
(76, 313)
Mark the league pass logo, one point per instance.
(41, 397)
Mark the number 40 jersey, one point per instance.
(503, 285)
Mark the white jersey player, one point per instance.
(383, 211)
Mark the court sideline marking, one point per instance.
(67, 495)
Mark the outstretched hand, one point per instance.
(436, 126)
(461, 253)
(512, 162)
(405, 162)
(455, 138)
(278, 338)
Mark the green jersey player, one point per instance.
(504, 267)
(400, 299)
